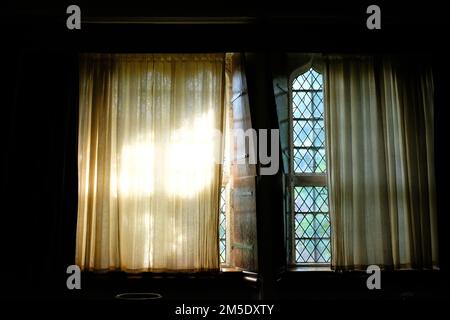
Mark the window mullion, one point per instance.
(315, 180)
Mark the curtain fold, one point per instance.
(379, 123)
(148, 171)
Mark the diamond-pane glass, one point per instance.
(311, 199)
(312, 251)
(312, 225)
(222, 227)
(309, 79)
(308, 123)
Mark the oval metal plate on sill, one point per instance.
(139, 296)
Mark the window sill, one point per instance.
(309, 267)
(225, 268)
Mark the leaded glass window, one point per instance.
(311, 229)
(308, 123)
(222, 226)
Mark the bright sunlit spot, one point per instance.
(191, 157)
(136, 169)
(189, 160)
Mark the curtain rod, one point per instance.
(168, 20)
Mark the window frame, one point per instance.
(302, 179)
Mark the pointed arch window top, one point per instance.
(309, 80)
(308, 125)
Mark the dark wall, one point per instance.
(41, 170)
(39, 183)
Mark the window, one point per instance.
(310, 220)
(223, 226)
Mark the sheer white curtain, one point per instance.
(381, 166)
(148, 171)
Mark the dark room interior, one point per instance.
(264, 44)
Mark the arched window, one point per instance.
(310, 224)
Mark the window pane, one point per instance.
(318, 133)
(311, 199)
(296, 85)
(312, 251)
(312, 229)
(305, 133)
(320, 164)
(222, 249)
(323, 253)
(305, 226)
(308, 123)
(222, 226)
(304, 160)
(298, 134)
(304, 251)
(302, 106)
(322, 223)
(318, 104)
(315, 80)
(312, 225)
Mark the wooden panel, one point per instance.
(243, 205)
(243, 241)
(241, 121)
